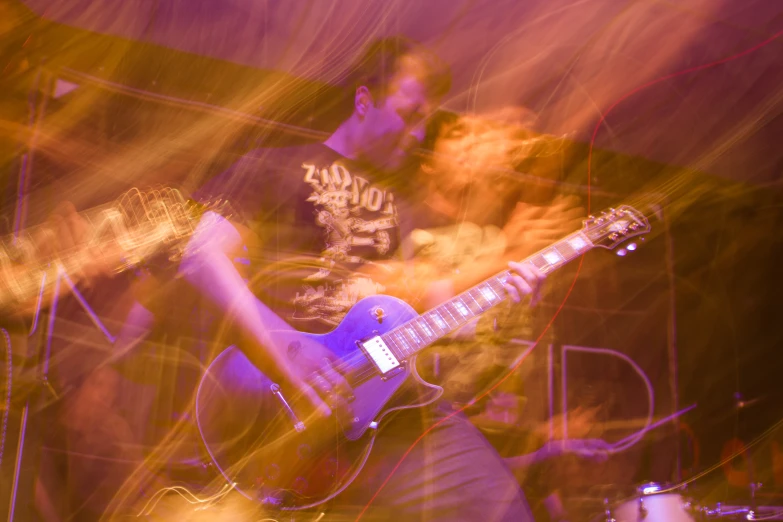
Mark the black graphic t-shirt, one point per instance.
(320, 218)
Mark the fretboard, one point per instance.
(410, 338)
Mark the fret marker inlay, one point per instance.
(488, 294)
(552, 257)
(577, 243)
(427, 330)
(440, 322)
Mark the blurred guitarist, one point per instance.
(329, 219)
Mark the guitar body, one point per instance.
(263, 443)
(252, 437)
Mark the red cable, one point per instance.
(581, 259)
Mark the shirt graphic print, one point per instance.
(359, 224)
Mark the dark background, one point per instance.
(720, 238)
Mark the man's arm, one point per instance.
(530, 228)
(595, 449)
(208, 268)
(423, 285)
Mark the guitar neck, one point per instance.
(412, 337)
(120, 235)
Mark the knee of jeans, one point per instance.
(92, 400)
(101, 385)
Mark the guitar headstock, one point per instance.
(145, 222)
(614, 226)
(217, 205)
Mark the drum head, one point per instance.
(653, 505)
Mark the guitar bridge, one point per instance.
(394, 372)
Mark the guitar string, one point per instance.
(461, 322)
(365, 370)
(365, 367)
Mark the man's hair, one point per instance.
(378, 66)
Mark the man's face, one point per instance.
(466, 150)
(395, 124)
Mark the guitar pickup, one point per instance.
(380, 354)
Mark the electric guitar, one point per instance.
(260, 440)
(121, 235)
